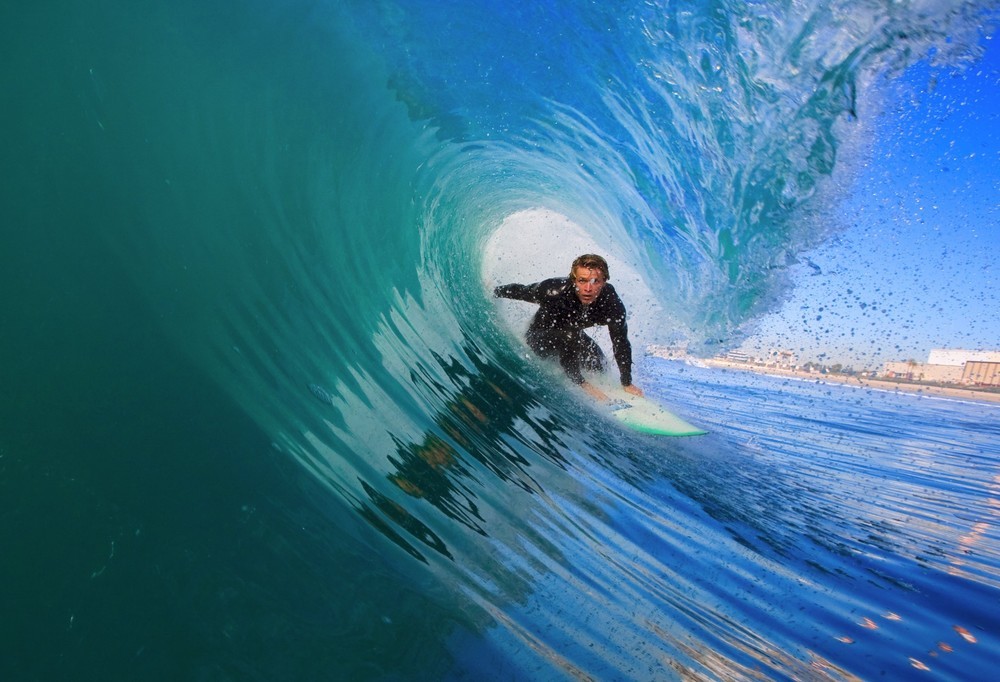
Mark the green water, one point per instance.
(150, 530)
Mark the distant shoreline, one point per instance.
(863, 382)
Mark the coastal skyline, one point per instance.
(915, 266)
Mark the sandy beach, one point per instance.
(864, 382)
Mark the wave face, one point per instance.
(278, 223)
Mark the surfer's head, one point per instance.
(589, 274)
(591, 261)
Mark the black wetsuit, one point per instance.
(557, 328)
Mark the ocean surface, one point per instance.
(260, 418)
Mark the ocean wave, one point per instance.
(313, 201)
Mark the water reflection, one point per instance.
(487, 423)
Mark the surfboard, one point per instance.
(648, 416)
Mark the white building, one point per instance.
(956, 357)
(955, 366)
(669, 352)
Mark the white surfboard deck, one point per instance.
(647, 415)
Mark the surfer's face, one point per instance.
(588, 283)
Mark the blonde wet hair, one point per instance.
(590, 261)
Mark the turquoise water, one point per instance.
(261, 419)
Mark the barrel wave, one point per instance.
(315, 447)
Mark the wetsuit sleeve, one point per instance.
(519, 292)
(618, 330)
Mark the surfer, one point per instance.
(567, 306)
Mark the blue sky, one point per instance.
(918, 266)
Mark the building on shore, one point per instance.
(981, 373)
(776, 359)
(950, 366)
(738, 356)
(674, 352)
(951, 356)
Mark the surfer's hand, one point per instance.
(594, 392)
(633, 389)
